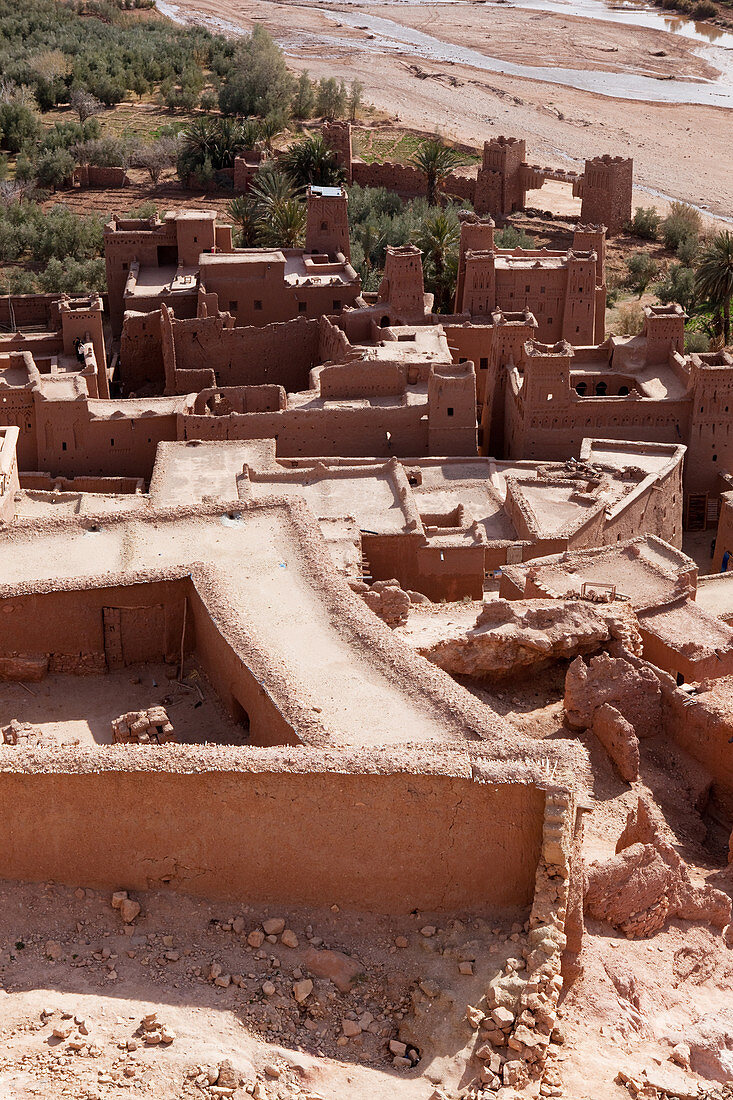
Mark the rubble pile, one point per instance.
(520, 1018)
(646, 882)
(19, 733)
(634, 693)
(510, 637)
(386, 599)
(143, 727)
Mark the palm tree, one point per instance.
(270, 127)
(284, 226)
(271, 186)
(246, 213)
(714, 277)
(437, 161)
(438, 239)
(312, 161)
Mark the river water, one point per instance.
(715, 45)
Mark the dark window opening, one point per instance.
(258, 304)
(384, 323)
(450, 412)
(240, 715)
(601, 389)
(302, 307)
(581, 389)
(623, 391)
(337, 303)
(63, 446)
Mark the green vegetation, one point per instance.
(311, 161)
(645, 223)
(378, 218)
(642, 269)
(714, 279)
(437, 161)
(58, 250)
(271, 214)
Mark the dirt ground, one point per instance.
(79, 709)
(678, 150)
(69, 963)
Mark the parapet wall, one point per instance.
(408, 181)
(362, 832)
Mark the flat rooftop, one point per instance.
(267, 580)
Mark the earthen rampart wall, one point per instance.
(371, 839)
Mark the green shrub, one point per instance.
(641, 270)
(511, 237)
(645, 223)
(682, 223)
(696, 341)
(679, 286)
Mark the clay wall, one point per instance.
(362, 379)
(314, 433)
(711, 423)
(9, 482)
(333, 343)
(134, 240)
(26, 310)
(95, 175)
(474, 343)
(72, 441)
(407, 181)
(141, 352)
(17, 410)
(64, 630)
(607, 192)
(556, 429)
(703, 726)
(327, 224)
(373, 842)
(279, 354)
(258, 295)
(337, 136)
(243, 694)
(724, 534)
(450, 573)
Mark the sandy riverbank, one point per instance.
(680, 150)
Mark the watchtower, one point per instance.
(477, 235)
(327, 224)
(402, 286)
(337, 136)
(452, 409)
(607, 192)
(499, 186)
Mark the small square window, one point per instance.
(337, 303)
(302, 307)
(234, 306)
(483, 363)
(258, 304)
(125, 267)
(450, 412)
(195, 240)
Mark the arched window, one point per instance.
(581, 389)
(601, 389)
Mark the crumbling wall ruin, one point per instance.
(647, 883)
